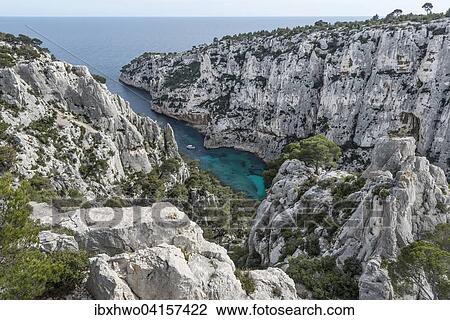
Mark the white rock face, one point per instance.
(404, 198)
(158, 253)
(404, 203)
(272, 284)
(296, 192)
(67, 126)
(52, 242)
(165, 272)
(104, 284)
(354, 86)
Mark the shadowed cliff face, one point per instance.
(258, 93)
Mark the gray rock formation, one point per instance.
(53, 242)
(271, 284)
(158, 253)
(67, 126)
(297, 197)
(407, 197)
(354, 85)
(403, 198)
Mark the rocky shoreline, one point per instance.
(261, 92)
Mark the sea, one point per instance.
(107, 44)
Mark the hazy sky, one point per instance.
(211, 7)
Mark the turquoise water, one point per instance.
(106, 44)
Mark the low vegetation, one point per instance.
(183, 74)
(424, 262)
(316, 151)
(222, 213)
(324, 279)
(26, 272)
(99, 78)
(93, 166)
(247, 283)
(19, 47)
(7, 158)
(394, 17)
(44, 129)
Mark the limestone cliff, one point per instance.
(354, 85)
(65, 125)
(399, 199)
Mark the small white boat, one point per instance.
(190, 147)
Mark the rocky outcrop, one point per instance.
(66, 125)
(407, 197)
(158, 253)
(271, 284)
(52, 242)
(298, 198)
(259, 92)
(401, 199)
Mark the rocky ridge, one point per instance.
(399, 199)
(65, 125)
(261, 92)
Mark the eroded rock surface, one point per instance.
(67, 126)
(354, 85)
(401, 198)
(158, 253)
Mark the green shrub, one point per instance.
(3, 128)
(41, 189)
(316, 151)
(312, 245)
(183, 74)
(11, 107)
(441, 236)
(44, 129)
(247, 283)
(179, 192)
(153, 187)
(27, 273)
(99, 78)
(7, 158)
(6, 57)
(75, 194)
(27, 52)
(306, 186)
(352, 266)
(239, 254)
(115, 203)
(422, 261)
(271, 172)
(92, 167)
(293, 240)
(170, 166)
(382, 190)
(16, 227)
(323, 278)
(347, 186)
(32, 274)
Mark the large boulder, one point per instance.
(157, 253)
(272, 284)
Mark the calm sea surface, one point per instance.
(106, 44)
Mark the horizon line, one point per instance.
(307, 16)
